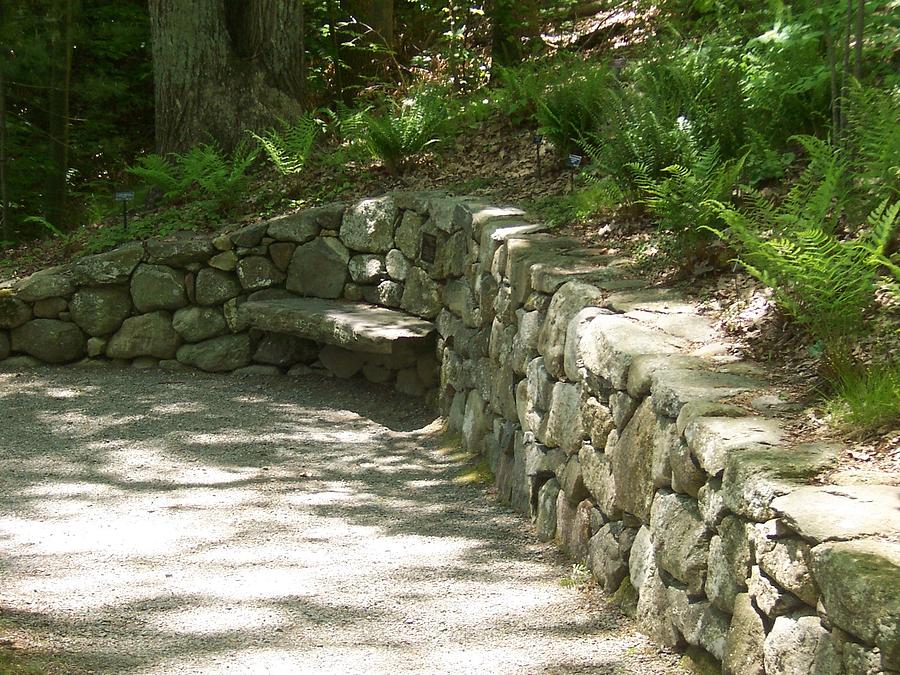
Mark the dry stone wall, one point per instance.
(610, 412)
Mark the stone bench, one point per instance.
(351, 325)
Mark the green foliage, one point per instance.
(289, 148)
(638, 130)
(203, 173)
(826, 284)
(566, 113)
(866, 399)
(679, 200)
(874, 141)
(405, 129)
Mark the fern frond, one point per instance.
(290, 147)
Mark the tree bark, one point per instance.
(221, 68)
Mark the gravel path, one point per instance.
(154, 522)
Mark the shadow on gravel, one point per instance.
(158, 523)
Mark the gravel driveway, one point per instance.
(156, 522)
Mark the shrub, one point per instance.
(289, 148)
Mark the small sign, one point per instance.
(429, 248)
(537, 139)
(573, 161)
(125, 196)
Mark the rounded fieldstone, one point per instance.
(54, 282)
(145, 335)
(319, 268)
(50, 308)
(421, 295)
(215, 287)
(196, 324)
(397, 265)
(220, 354)
(50, 340)
(279, 349)
(13, 312)
(111, 267)
(100, 311)
(369, 225)
(155, 287)
(226, 261)
(256, 273)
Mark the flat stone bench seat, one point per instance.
(352, 325)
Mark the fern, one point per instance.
(874, 141)
(289, 148)
(679, 199)
(408, 128)
(202, 173)
(159, 172)
(826, 284)
(567, 113)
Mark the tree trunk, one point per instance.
(221, 68)
(58, 113)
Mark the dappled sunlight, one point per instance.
(287, 538)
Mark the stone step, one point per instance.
(352, 325)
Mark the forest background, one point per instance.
(762, 133)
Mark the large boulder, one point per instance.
(220, 354)
(319, 268)
(112, 267)
(196, 324)
(155, 287)
(860, 585)
(682, 539)
(145, 335)
(13, 312)
(50, 340)
(421, 295)
(54, 282)
(178, 252)
(369, 225)
(256, 272)
(301, 227)
(568, 301)
(100, 310)
(215, 287)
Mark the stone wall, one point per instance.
(175, 303)
(609, 411)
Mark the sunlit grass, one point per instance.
(866, 400)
